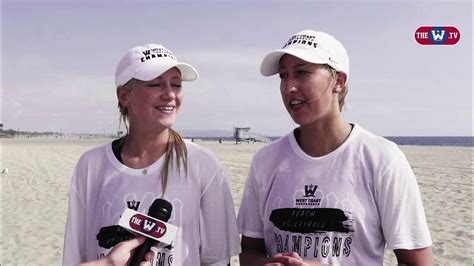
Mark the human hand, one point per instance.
(290, 259)
(121, 254)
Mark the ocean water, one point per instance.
(433, 141)
(417, 141)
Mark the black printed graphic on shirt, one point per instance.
(308, 220)
(313, 232)
(110, 236)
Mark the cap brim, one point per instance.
(271, 62)
(188, 72)
(152, 71)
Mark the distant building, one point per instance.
(1, 127)
(243, 134)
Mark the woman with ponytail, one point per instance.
(151, 161)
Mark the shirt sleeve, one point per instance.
(250, 219)
(218, 227)
(74, 241)
(400, 206)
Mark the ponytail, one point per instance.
(122, 109)
(174, 147)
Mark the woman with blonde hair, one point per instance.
(151, 161)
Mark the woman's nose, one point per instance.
(168, 92)
(288, 86)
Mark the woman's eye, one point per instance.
(283, 75)
(153, 85)
(176, 85)
(302, 72)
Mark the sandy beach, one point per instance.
(35, 193)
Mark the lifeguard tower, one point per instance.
(243, 134)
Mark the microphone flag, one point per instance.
(147, 226)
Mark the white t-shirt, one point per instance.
(203, 208)
(340, 208)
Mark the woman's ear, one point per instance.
(122, 96)
(340, 82)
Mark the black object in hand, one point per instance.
(161, 210)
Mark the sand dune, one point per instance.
(36, 186)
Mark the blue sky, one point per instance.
(59, 59)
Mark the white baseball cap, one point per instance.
(149, 62)
(311, 46)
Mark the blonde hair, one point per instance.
(175, 147)
(343, 93)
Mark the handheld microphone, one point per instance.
(161, 210)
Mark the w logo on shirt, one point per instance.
(133, 205)
(309, 190)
